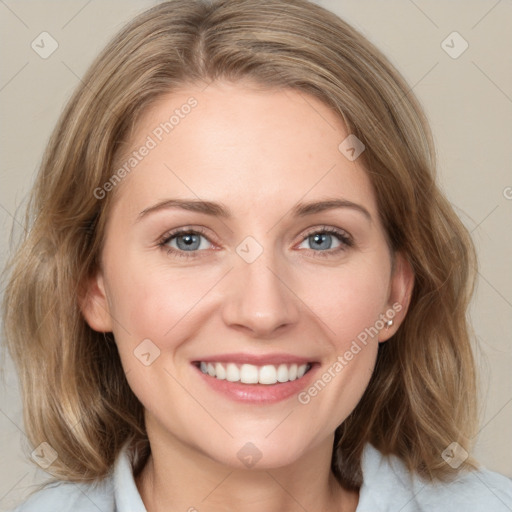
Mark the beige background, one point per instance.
(468, 101)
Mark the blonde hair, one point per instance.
(421, 396)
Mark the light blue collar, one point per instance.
(388, 487)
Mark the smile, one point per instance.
(254, 374)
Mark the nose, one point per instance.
(259, 299)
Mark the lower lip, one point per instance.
(258, 393)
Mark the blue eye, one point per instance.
(322, 239)
(188, 242)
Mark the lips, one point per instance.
(252, 378)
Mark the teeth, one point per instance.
(282, 373)
(268, 374)
(232, 372)
(220, 371)
(251, 374)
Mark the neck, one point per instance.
(178, 477)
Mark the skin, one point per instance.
(259, 152)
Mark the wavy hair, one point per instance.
(422, 395)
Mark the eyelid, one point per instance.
(183, 230)
(329, 229)
(201, 230)
(345, 239)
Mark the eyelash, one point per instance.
(344, 238)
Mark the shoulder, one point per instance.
(115, 493)
(65, 496)
(389, 486)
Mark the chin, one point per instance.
(258, 453)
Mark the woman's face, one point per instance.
(262, 286)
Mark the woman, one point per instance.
(241, 285)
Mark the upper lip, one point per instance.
(255, 359)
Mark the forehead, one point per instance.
(249, 147)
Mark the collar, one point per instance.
(378, 481)
(387, 487)
(126, 494)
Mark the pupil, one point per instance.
(321, 237)
(187, 241)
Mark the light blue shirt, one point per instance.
(387, 487)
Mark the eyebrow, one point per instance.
(220, 210)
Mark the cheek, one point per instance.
(348, 301)
(157, 302)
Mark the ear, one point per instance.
(401, 286)
(94, 304)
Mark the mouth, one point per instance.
(256, 379)
(267, 374)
